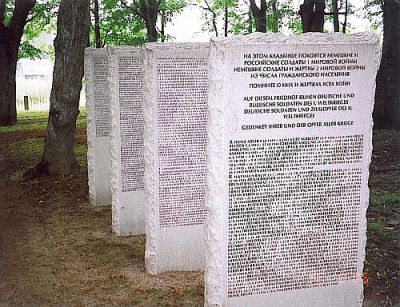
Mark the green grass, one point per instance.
(27, 152)
(36, 121)
(384, 199)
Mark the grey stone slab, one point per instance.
(288, 149)
(127, 157)
(175, 91)
(98, 125)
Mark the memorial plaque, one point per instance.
(175, 92)
(289, 146)
(127, 158)
(98, 125)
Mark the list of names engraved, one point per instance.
(131, 123)
(101, 95)
(295, 167)
(182, 90)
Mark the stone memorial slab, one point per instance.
(289, 145)
(175, 91)
(128, 201)
(98, 125)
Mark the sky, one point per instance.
(187, 26)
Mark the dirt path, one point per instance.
(57, 249)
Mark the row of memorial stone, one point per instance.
(271, 134)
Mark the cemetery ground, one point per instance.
(55, 248)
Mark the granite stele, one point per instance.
(175, 91)
(127, 158)
(289, 145)
(98, 125)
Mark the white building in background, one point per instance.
(35, 69)
(34, 79)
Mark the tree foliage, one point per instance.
(240, 19)
(373, 11)
(123, 22)
(118, 25)
(41, 20)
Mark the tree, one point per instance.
(373, 11)
(270, 16)
(335, 14)
(113, 24)
(228, 15)
(42, 19)
(72, 37)
(387, 95)
(167, 9)
(259, 15)
(148, 11)
(312, 15)
(96, 14)
(12, 23)
(281, 13)
(213, 11)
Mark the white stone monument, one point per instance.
(98, 125)
(175, 91)
(289, 145)
(128, 201)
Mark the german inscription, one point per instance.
(101, 95)
(182, 89)
(131, 123)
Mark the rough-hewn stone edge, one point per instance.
(91, 125)
(150, 155)
(214, 191)
(113, 54)
(310, 38)
(174, 46)
(115, 148)
(150, 142)
(375, 65)
(214, 179)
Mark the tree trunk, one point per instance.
(312, 14)
(96, 13)
(151, 30)
(214, 17)
(163, 22)
(275, 17)
(250, 23)
(8, 67)
(335, 13)
(10, 40)
(226, 19)
(69, 45)
(387, 95)
(149, 13)
(346, 12)
(259, 15)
